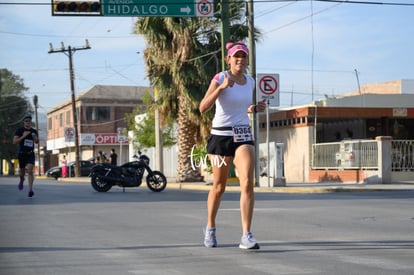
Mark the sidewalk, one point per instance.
(233, 185)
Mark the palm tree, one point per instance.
(181, 56)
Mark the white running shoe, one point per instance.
(248, 242)
(210, 237)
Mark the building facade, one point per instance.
(356, 116)
(363, 116)
(100, 114)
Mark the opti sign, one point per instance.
(267, 87)
(101, 139)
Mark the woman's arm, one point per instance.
(212, 93)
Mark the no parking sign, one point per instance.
(267, 87)
(69, 134)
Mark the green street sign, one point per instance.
(167, 8)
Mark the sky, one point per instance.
(318, 48)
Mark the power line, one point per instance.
(272, 10)
(367, 2)
(69, 52)
(263, 1)
(291, 2)
(342, 1)
(303, 18)
(65, 36)
(103, 123)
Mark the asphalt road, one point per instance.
(68, 228)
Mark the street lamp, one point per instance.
(35, 103)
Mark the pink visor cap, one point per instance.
(237, 47)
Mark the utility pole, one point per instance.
(35, 101)
(357, 78)
(252, 67)
(225, 31)
(159, 158)
(69, 51)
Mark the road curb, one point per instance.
(233, 186)
(181, 186)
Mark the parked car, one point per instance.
(85, 169)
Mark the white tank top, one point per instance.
(232, 104)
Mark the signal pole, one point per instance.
(225, 32)
(35, 103)
(252, 70)
(69, 51)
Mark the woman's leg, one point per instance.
(220, 166)
(244, 163)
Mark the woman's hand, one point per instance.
(227, 82)
(261, 106)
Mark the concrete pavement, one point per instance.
(68, 228)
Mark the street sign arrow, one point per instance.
(186, 10)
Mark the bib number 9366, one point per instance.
(242, 133)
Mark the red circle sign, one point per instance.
(70, 132)
(268, 85)
(204, 7)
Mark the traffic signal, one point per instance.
(76, 7)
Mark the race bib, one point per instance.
(28, 143)
(242, 133)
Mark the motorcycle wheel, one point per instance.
(99, 184)
(157, 181)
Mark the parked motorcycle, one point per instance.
(104, 175)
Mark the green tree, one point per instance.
(13, 106)
(182, 55)
(144, 134)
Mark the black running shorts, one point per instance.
(25, 158)
(223, 145)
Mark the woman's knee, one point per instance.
(219, 188)
(247, 187)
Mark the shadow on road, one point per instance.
(266, 247)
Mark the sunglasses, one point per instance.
(27, 120)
